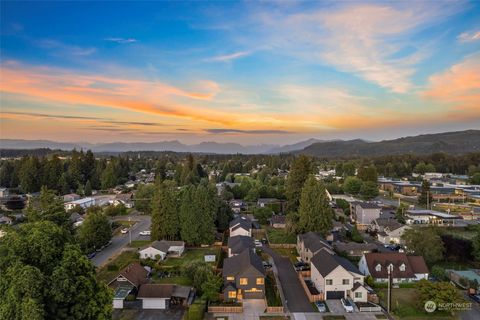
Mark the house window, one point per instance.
(243, 281)
(329, 282)
(260, 281)
(345, 281)
(402, 267)
(358, 295)
(230, 278)
(378, 267)
(232, 294)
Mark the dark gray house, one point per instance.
(238, 244)
(308, 244)
(243, 277)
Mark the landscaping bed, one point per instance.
(271, 292)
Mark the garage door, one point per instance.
(253, 295)
(335, 294)
(154, 303)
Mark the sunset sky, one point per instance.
(247, 72)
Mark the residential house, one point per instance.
(127, 281)
(84, 203)
(76, 219)
(241, 226)
(310, 243)
(403, 268)
(354, 249)
(388, 230)
(421, 216)
(278, 221)
(363, 213)
(71, 197)
(158, 250)
(123, 198)
(4, 192)
(263, 202)
(244, 277)
(237, 205)
(335, 276)
(464, 278)
(238, 244)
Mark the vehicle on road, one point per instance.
(124, 230)
(347, 305)
(91, 255)
(475, 297)
(321, 306)
(145, 233)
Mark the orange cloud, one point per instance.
(458, 86)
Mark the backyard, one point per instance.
(290, 253)
(108, 272)
(190, 254)
(281, 236)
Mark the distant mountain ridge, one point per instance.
(458, 142)
(448, 142)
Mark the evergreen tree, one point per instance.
(315, 213)
(369, 190)
(476, 245)
(425, 198)
(368, 174)
(189, 222)
(301, 168)
(109, 177)
(352, 185)
(88, 188)
(206, 213)
(29, 175)
(165, 214)
(48, 207)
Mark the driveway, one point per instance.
(335, 307)
(295, 296)
(120, 241)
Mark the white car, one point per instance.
(145, 233)
(347, 305)
(257, 243)
(124, 230)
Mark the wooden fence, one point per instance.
(305, 274)
(283, 245)
(311, 297)
(225, 309)
(274, 310)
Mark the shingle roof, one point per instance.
(240, 263)
(325, 263)
(413, 264)
(391, 224)
(314, 241)
(240, 243)
(134, 273)
(165, 245)
(154, 290)
(280, 219)
(368, 205)
(242, 222)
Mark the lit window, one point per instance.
(230, 278)
(232, 294)
(243, 281)
(345, 281)
(358, 294)
(260, 281)
(329, 282)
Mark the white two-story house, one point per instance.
(241, 226)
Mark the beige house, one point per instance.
(308, 244)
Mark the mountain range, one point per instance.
(448, 142)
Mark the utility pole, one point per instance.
(130, 230)
(428, 199)
(389, 293)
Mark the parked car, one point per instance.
(321, 306)
(264, 241)
(257, 243)
(266, 265)
(145, 233)
(91, 255)
(347, 305)
(475, 297)
(300, 264)
(124, 230)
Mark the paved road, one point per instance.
(122, 240)
(297, 300)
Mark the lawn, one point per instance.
(109, 271)
(281, 236)
(139, 243)
(404, 305)
(196, 311)
(181, 281)
(190, 254)
(290, 253)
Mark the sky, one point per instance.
(247, 72)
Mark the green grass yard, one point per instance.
(190, 254)
(109, 271)
(290, 253)
(281, 236)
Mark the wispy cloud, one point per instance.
(469, 36)
(230, 131)
(61, 48)
(229, 57)
(121, 40)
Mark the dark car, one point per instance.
(91, 255)
(475, 297)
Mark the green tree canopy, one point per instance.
(165, 214)
(426, 242)
(352, 185)
(95, 231)
(369, 190)
(425, 198)
(299, 171)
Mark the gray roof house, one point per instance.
(335, 276)
(243, 277)
(238, 244)
(160, 249)
(241, 226)
(310, 243)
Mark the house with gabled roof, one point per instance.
(335, 277)
(241, 226)
(403, 268)
(243, 277)
(158, 250)
(388, 230)
(308, 244)
(238, 244)
(363, 213)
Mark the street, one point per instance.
(121, 240)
